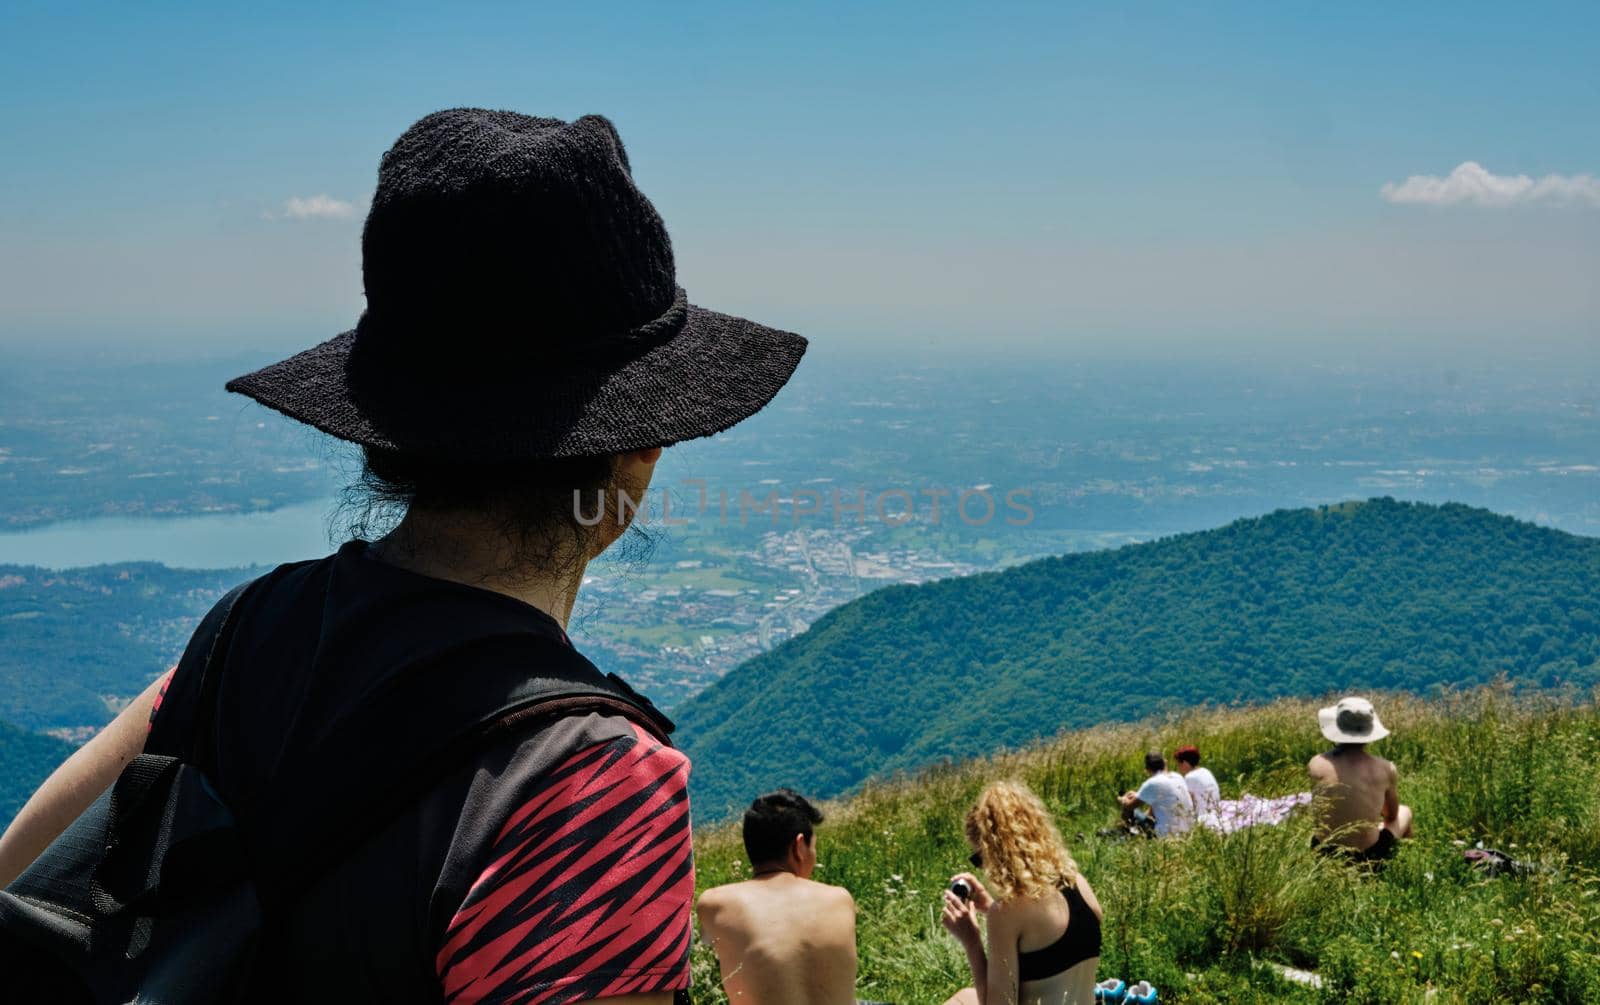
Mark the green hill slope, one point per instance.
(25, 761)
(1375, 595)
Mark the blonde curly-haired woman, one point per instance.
(1043, 919)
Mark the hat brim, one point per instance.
(715, 372)
(1328, 720)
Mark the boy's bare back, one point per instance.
(1362, 791)
(782, 940)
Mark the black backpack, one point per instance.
(151, 897)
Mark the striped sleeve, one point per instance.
(161, 696)
(588, 886)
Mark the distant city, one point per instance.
(677, 628)
(863, 474)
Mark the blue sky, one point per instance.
(1116, 177)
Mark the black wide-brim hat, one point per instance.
(522, 304)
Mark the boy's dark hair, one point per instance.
(773, 820)
(1155, 761)
(1188, 755)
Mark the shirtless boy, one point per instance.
(1364, 814)
(781, 938)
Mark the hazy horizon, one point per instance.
(1572, 355)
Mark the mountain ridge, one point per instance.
(1377, 594)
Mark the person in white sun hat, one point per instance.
(1364, 817)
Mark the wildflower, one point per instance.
(1394, 954)
(897, 877)
(1417, 953)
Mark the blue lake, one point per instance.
(216, 541)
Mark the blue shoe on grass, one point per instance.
(1110, 991)
(1142, 993)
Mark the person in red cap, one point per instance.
(1201, 782)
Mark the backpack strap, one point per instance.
(412, 734)
(201, 662)
(211, 638)
(142, 787)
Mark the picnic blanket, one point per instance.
(1248, 810)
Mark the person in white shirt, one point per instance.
(1166, 796)
(1201, 782)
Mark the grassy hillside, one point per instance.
(1203, 917)
(26, 759)
(1376, 595)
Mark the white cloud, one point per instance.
(1471, 184)
(314, 207)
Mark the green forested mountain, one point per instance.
(1380, 594)
(75, 644)
(25, 760)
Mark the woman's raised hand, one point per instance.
(980, 897)
(961, 920)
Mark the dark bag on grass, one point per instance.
(151, 897)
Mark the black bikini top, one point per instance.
(1081, 941)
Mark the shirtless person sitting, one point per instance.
(1364, 814)
(780, 937)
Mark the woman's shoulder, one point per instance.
(1024, 905)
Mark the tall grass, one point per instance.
(1208, 917)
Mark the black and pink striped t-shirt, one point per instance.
(586, 888)
(554, 867)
